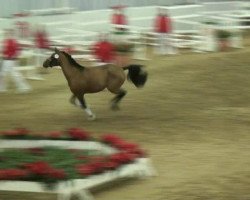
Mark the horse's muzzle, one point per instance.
(46, 63)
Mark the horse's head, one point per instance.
(53, 60)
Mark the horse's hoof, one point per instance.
(115, 107)
(72, 102)
(91, 117)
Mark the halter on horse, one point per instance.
(82, 80)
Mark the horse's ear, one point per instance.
(57, 51)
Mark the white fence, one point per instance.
(140, 18)
(82, 28)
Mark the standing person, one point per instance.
(42, 44)
(119, 22)
(10, 52)
(163, 28)
(103, 49)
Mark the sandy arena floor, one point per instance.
(193, 118)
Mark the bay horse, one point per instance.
(83, 80)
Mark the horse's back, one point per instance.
(97, 78)
(115, 70)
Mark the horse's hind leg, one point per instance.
(115, 101)
(91, 116)
(72, 100)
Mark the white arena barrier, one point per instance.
(51, 11)
(225, 16)
(185, 20)
(80, 29)
(221, 7)
(140, 46)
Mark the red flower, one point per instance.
(98, 166)
(122, 158)
(138, 152)
(78, 134)
(85, 169)
(55, 134)
(90, 168)
(56, 173)
(15, 132)
(118, 142)
(38, 168)
(22, 131)
(45, 170)
(110, 139)
(122, 145)
(118, 158)
(10, 174)
(110, 165)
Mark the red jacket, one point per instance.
(119, 19)
(41, 40)
(104, 51)
(163, 24)
(11, 49)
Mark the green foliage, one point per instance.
(223, 34)
(59, 158)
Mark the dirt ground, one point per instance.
(192, 117)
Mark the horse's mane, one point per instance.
(73, 62)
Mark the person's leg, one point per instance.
(170, 47)
(34, 74)
(21, 84)
(3, 72)
(163, 43)
(157, 48)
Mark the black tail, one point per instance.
(137, 75)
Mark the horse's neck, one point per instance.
(68, 71)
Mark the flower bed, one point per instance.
(60, 156)
(51, 164)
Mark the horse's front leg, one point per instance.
(91, 115)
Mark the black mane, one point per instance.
(73, 62)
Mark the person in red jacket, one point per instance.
(119, 22)
(42, 45)
(103, 49)
(163, 28)
(119, 18)
(41, 39)
(10, 53)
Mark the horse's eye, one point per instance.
(56, 56)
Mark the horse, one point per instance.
(82, 80)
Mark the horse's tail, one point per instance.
(137, 75)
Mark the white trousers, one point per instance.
(164, 44)
(8, 68)
(40, 57)
(34, 74)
